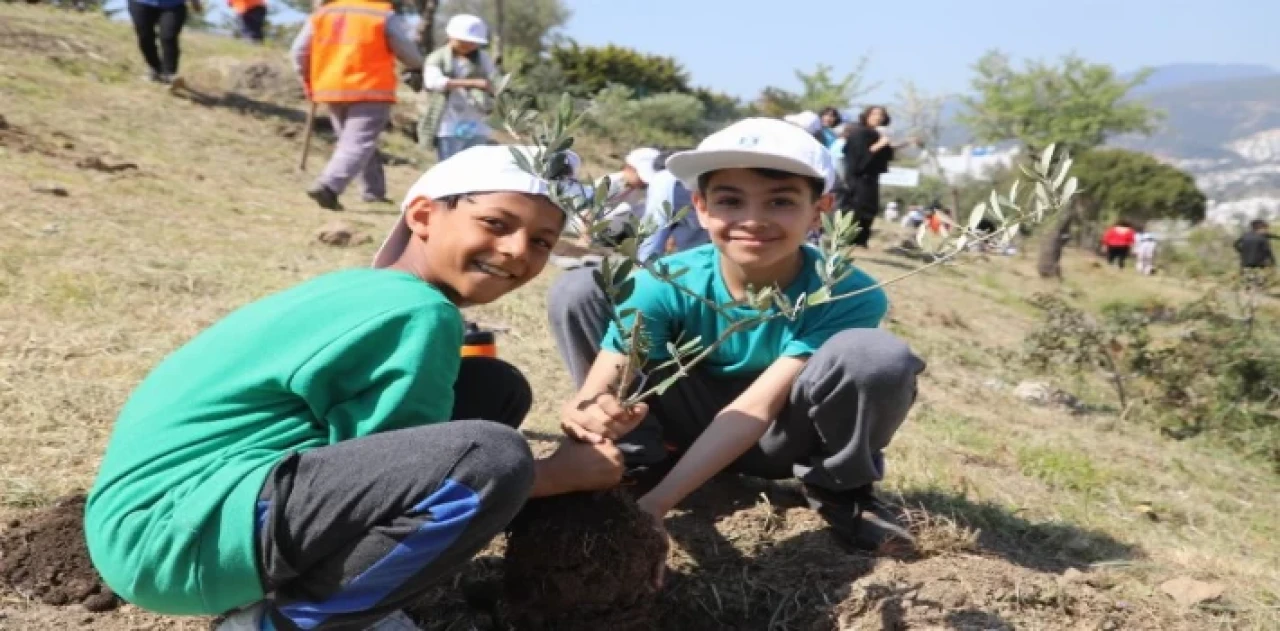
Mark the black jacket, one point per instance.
(1255, 250)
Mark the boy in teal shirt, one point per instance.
(299, 461)
(816, 398)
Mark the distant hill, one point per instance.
(1222, 125)
(1180, 75)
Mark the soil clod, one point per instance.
(582, 561)
(44, 557)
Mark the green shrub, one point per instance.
(666, 120)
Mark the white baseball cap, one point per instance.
(806, 120)
(642, 160)
(756, 143)
(467, 28)
(480, 169)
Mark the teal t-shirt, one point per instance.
(170, 519)
(673, 316)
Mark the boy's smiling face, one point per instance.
(756, 221)
(488, 245)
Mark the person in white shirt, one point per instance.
(628, 189)
(1145, 250)
(458, 81)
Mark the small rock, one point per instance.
(342, 234)
(50, 188)
(1072, 575)
(1189, 592)
(97, 164)
(1041, 393)
(51, 229)
(4, 124)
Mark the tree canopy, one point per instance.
(819, 89)
(1117, 184)
(592, 68)
(1075, 104)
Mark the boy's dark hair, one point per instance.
(816, 185)
(1258, 224)
(451, 201)
(832, 110)
(866, 112)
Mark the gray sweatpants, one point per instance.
(358, 126)
(351, 532)
(843, 409)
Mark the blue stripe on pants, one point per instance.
(451, 508)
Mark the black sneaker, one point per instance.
(376, 199)
(324, 197)
(859, 520)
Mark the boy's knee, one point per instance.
(500, 461)
(573, 292)
(872, 358)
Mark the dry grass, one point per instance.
(97, 287)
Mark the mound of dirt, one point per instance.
(44, 557)
(271, 79)
(582, 561)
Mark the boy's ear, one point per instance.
(825, 204)
(419, 214)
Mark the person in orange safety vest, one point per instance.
(346, 54)
(251, 16)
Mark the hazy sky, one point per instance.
(740, 46)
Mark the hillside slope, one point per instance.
(1031, 517)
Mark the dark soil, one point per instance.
(44, 557)
(582, 561)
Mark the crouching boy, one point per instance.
(320, 457)
(816, 398)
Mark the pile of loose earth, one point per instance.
(44, 557)
(582, 561)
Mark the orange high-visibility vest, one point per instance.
(351, 60)
(242, 6)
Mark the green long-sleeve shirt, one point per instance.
(170, 519)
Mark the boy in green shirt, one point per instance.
(816, 398)
(298, 461)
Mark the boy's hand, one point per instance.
(601, 418)
(578, 466)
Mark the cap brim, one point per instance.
(463, 37)
(688, 166)
(393, 246)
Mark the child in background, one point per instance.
(1145, 251)
(319, 458)
(816, 398)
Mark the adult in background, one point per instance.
(1255, 247)
(867, 154)
(165, 18)
(251, 18)
(832, 123)
(346, 55)
(458, 80)
(1118, 241)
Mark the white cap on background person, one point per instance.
(467, 28)
(642, 160)
(756, 143)
(480, 169)
(806, 120)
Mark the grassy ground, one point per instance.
(97, 286)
